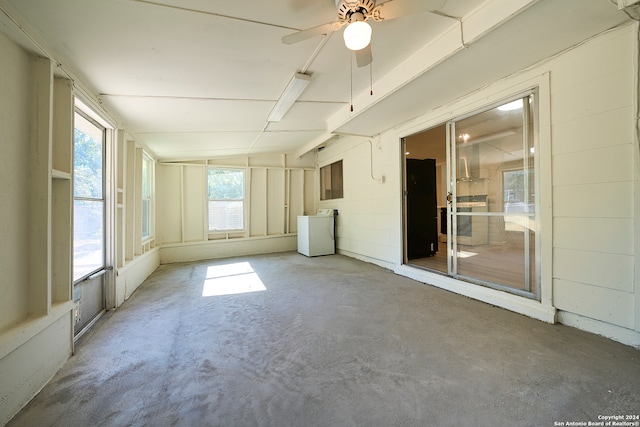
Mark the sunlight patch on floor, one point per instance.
(229, 279)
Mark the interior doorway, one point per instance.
(470, 198)
(425, 198)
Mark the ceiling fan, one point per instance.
(355, 14)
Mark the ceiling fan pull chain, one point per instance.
(370, 79)
(351, 68)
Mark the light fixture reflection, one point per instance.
(514, 105)
(357, 35)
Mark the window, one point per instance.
(147, 179)
(88, 197)
(226, 199)
(331, 181)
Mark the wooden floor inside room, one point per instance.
(502, 264)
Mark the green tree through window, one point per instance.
(88, 194)
(226, 184)
(87, 160)
(225, 188)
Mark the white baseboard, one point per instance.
(133, 273)
(614, 332)
(186, 252)
(518, 304)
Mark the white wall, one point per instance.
(36, 306)
(35, 311)
(135, 258)
(594, 168)
(25, 370)
(369, 215)
(14, 175)
(590, 154)
(277, 191)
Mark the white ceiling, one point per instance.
(197, 78)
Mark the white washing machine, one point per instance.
(316, 233)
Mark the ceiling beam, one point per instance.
(321, 140)
(480, 21)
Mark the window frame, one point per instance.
(243, 200)
(102, 199)
(335, 171)
(147, 160)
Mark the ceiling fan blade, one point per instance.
(363, 56)
(396, 8)
(320, 30)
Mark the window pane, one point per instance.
(331, 181)
(87, 159)
(88, 237)
(336, 180)
(226, 184)
(226, 215)
(325, 183)
(147, 171)
(146, 178)
(146, 218)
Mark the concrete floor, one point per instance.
(331, 342)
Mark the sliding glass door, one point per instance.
(493, 202)
(486, 214)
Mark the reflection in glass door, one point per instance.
(486, 197)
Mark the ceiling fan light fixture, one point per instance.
(357, 35)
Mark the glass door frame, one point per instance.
(452, 220)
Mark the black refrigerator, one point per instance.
(422, 213)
